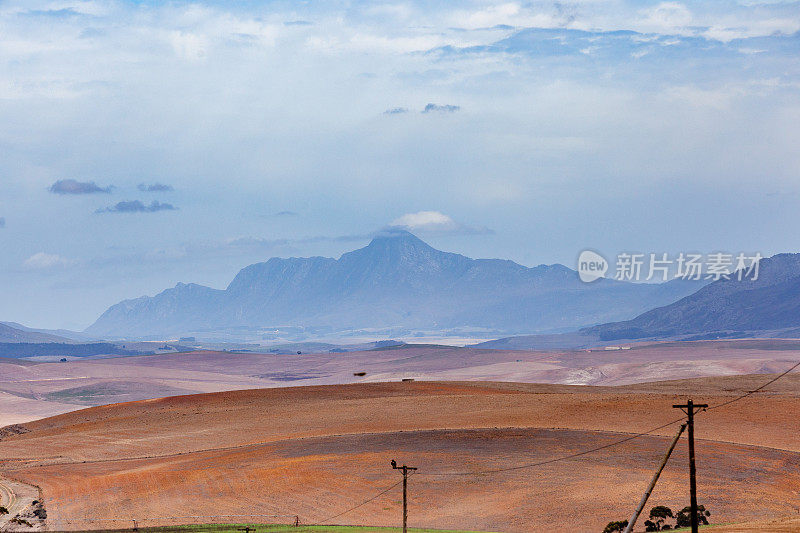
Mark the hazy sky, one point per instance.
(144, 144)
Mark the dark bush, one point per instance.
(616, 526)
(683, 518)
(658, 515)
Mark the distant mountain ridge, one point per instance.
(11, 334)
(397, 281)
(58, 335)
(768, 306)
(723, 308)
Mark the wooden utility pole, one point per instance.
(405, 469)
(689, 409)
(643, 502)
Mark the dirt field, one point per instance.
(17, 498)
(29, 391)
(315, 452)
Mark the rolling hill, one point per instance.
(317, 452)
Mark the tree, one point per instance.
(649, 525)
(616, 526)
(658, 515)
(3, 510)
(684, 517)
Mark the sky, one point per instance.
(149, 143)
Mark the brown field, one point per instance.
(29, 390)
(317, 451)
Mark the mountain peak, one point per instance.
(394, 244)
(396, 235)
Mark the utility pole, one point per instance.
(405, 469)
(643, 502)
(689, 409)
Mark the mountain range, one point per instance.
(12, 332)
(396, 284)
(725, 308)
(767, 306)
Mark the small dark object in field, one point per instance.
(408, 379)
(299, 352)
(63, 359)
(359, 374)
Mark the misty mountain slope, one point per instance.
(397, 281)
(771, 302)
(13, 334)
(183, 307)
(62, 334)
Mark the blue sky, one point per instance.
(647, 126)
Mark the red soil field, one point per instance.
(317, 451)
(32, 390)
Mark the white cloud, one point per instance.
(435, 222)
(489, 16)
(732, 28)
(188, 46)
(45, 261)
(667, 17)
(425, 220)
(516, 15)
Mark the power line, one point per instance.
(556, 459)
(748, 393)
(653, 481)
(381, 493)
(690, 407)
(690, 411)
(612, 444)
(405, 469)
